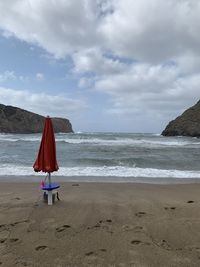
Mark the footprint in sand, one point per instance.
(101, 223)
(97, 225)
(108, 220)
(15, 223)
(193, 248)
(17, 198)
(103, 249)
(62, 228)
(75, 184)
(13, 240)
(169, 208)
(164, 244)
(136, 242)
(104, 225)
(137, 228)
(93, 253)
(89, 253)
(140, 214)
(39, 248)
(127, 227)
(90, 256)
(139, 242)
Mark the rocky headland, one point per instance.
(17, 120)
(187, 124)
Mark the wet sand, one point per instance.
(100, 224)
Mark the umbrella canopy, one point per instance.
(46, 159)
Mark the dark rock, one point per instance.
(17, 120)
(188, 124)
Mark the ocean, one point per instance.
(104, 157)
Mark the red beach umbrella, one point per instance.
(46, 159)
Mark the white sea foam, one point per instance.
(131, 142)
(116, 141)
(117, 171)
(17, 138)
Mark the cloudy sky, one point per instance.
(107, 65)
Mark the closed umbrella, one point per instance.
(46, 159)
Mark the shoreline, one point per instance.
(98, 179)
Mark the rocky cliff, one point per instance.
(16, 120)
(188, 124)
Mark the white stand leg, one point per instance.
(50, 202)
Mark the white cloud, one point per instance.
(85, 82)
(150, 89)
(94, 61)
(40, 76)
(42, 103)
(12, 76)
(7, 75)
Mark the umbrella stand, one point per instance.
(49, 188)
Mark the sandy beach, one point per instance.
(100, 224)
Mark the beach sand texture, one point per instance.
(98, 224)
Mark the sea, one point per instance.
(105, 157)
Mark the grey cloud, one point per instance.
(149, 31)
(188, 63)
(154, 30)
(60, 27)
(42, 103)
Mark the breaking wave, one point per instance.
(116, 171)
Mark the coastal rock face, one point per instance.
(188, 124)
(16, 120)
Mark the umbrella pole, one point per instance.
(50, 200)
(49, 178)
